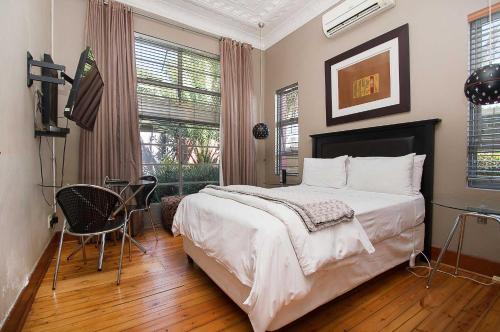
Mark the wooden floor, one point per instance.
(161, 291)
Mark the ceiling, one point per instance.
(238, 19)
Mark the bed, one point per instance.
(249, 254)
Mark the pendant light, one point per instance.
(260, 130)
(483, 85)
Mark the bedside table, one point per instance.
(488, 211)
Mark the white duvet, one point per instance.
(265, 245)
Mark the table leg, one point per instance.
(460, 243)
(101, 252)
(136, 243)
(443, 250)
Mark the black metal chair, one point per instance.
(143, 200)
(91, 211)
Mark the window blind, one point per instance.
(483, 165)
(176, 83)
(287, 130)
(178, 91)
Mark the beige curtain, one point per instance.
(113, 148)
(237, 145)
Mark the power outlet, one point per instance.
(482, 220)
(52, 220)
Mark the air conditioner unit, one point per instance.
(351, 12)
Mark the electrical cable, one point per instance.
(414, 255)
(429, 268)
(41, 172)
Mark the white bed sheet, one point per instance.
(255, 247)
(381, 215)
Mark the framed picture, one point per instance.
(370, 80)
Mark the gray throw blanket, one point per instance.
(316, 211)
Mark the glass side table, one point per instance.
(487, 210)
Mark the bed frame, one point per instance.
(391, 141)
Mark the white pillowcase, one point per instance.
(418, 168)
(392, 175)
(325, 172)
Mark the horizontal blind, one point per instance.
(287, 130)
(176, 83)
(483, 165)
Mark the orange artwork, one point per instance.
(365, 81)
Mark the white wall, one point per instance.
(24, 26)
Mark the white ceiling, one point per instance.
(238, 19)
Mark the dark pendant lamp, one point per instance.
(483, 85)
(260, 130)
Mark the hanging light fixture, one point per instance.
(260, 130)
(483, 85)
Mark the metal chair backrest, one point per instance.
(145, 196)
(88, 208)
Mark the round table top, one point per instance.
(483, 206)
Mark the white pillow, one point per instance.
(392, 175)
(418, 168)
(325, 172)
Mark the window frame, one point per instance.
(475, 122)
(157, 123)
(278, 127)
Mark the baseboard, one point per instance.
(19, 312)
(471, 263)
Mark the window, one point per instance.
(287, 130)
(178, 91)
(483, 166)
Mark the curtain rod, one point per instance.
(177, 26)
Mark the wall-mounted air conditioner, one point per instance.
(351, 12)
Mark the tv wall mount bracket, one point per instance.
(42, 64)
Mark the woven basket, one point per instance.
(169, 206)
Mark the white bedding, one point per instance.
(381, 215)
(255, 247)
(314, 250)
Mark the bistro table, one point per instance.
(485, 210)
(136, 187)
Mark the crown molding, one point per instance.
(295, 21)
(188, 15)
(185, 14)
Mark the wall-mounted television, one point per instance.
(86, 92)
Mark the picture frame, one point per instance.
(369, 80)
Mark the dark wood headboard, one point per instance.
(387, 141)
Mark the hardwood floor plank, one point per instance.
(450, 306)
(348, 303)
(161, 291)
(413, 322)
(479, 305)
(491, 320)
(386, 313)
